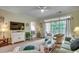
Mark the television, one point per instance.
(16, 26)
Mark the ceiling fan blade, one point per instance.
(46, 10)
(42, 7)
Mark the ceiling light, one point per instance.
(76, 29)
(42, 10)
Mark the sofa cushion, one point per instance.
(46, 39)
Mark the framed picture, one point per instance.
(1, 19)
(27, 24)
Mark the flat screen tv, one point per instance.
(16, 26)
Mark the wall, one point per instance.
(16, 18)
(74, 20)
(39, 28)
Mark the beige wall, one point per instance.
(39, 28)
(74, 20)
(16, 18)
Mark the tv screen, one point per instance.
(16, 26)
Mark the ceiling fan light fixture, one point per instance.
(42, 7)
(42, 10)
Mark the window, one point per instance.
(33, 29)
(57, 26)
(47, 30)
(33, 26)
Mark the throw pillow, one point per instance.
(49, 42)
(46, 39)
(30, 47)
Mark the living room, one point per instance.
(21, 26)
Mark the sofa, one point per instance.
(71, 46)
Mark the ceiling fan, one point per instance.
(43, 8)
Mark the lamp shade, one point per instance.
(4, 28)
(76, 29)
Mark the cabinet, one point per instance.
(17, 36)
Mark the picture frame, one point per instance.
(1, 19)
(27, 24)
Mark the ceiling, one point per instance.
(34, 11)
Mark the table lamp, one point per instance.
(4, 29)
(76, 31)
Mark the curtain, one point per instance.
(68, 28)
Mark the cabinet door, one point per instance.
(17, 37)
(14, 37)
(22, 35)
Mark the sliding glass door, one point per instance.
(58, 27)
(61, 26)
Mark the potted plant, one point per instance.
(27, 35)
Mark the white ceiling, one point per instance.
(34, 11)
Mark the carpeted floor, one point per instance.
(61, 50)
(10, 48)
